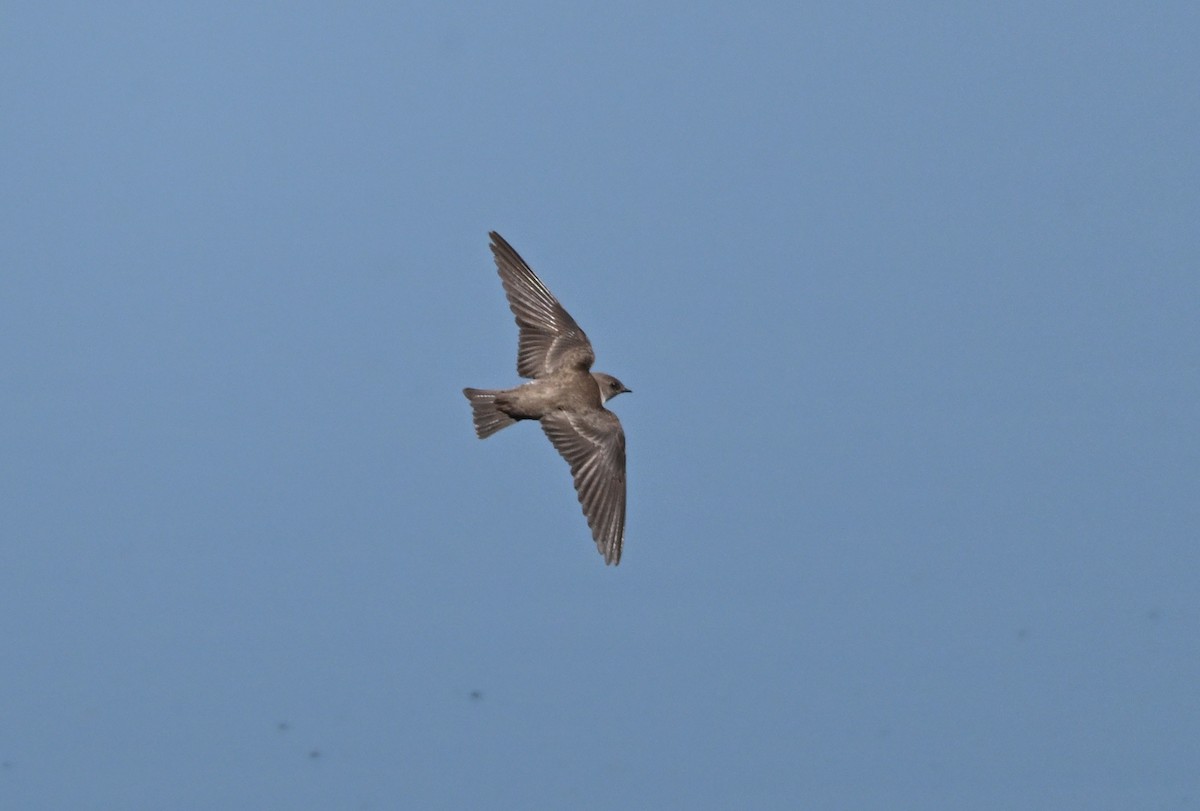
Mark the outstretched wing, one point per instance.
(593, 444)
(550, 338)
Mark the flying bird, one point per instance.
(564, 395)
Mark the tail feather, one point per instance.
(488, 418)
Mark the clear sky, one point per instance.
(909, 298)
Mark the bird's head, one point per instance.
(610, 387)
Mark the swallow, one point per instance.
(564, 395)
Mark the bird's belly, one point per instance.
(538, 398)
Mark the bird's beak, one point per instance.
(626, 391)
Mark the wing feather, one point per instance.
(593, 444)
(549, 338)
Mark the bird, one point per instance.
(564, 395)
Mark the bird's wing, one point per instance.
(550, 338)
(593, 444)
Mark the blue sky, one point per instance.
(909, 299)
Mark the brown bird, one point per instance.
(564, 395)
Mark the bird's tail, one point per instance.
(488, 418)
